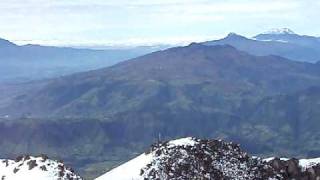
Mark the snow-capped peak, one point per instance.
(279, 31)
(132, 169)
(234, 35)
(192, 158)
(35, 168)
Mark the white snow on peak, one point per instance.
(130, 170)
(279, 31)
(189, 141)
(272, 158)
(269, 40)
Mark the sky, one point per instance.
(148, 22)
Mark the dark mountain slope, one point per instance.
(295, 50)
(217, 78)
(295, 115)
(5, 43)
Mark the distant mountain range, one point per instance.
(197, 90)
(35, 62)
(287, 35)
(281, 42)
(174, 76)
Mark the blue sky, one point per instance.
(139, 22)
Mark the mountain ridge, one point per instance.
(288, 45)
(302, 40)
(35, 62)
(5, 43)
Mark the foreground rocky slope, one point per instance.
(192, 158)
(35, 168)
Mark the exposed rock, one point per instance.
(205, 159)
(291, 169)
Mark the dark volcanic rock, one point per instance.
(192, 158)
(217, 159)
(290, 169)
(206, 159)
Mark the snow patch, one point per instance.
(306, 163)
(272, 158)
(271, 40)
(189, 141)
(279, 31)
(130, 170)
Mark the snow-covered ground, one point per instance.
(182, 142)
(131, 170)
(34, 168)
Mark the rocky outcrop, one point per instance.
(192, 158)
(205, 159)
(292, 169)
(36, 168)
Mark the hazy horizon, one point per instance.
(126, 23)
